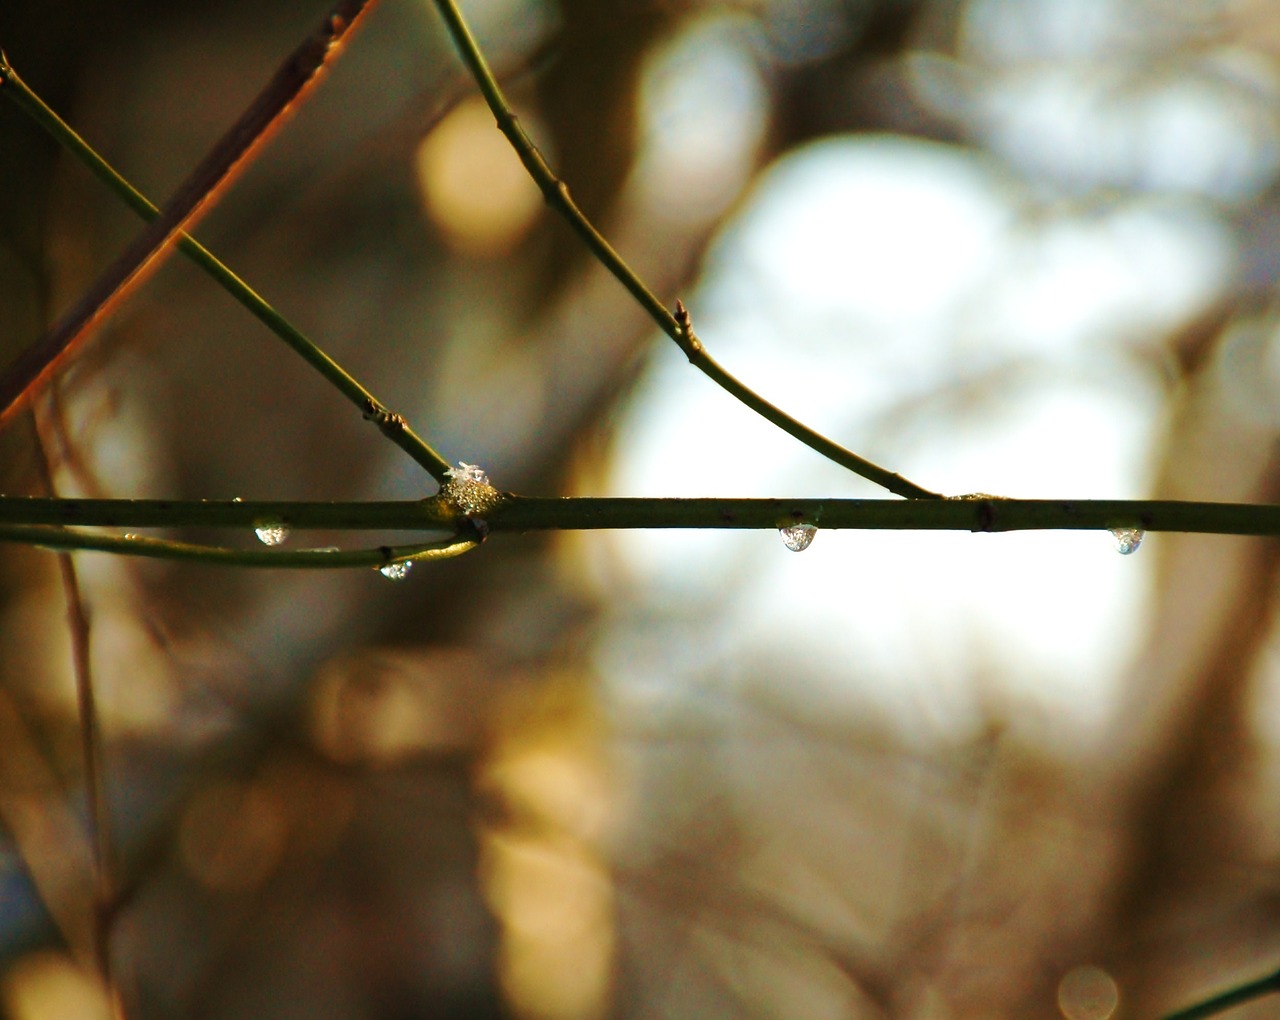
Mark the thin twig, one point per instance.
(59, 539)
(677, 325)
(392, 425)
(39, 361)
(512, 513)
(1220, 1003)
(92, 756)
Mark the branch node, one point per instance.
(691, 345)
(683, 319)
(986, 516)
(388, 421)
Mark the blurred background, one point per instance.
(1024, 248)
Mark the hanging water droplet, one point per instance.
(396, 571)
(236, 499)
(271, 532)
(1127, 539)
(798, 537)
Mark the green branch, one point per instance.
(392, 425)
(64, 539)
(677, 325)
(506, 512)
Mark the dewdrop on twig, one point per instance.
(798, 537)
(271, 532)
(396, 571)
(1127, 539)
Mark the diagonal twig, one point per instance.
(391, 425)
(677, 325)
(299, 71)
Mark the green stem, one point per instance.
(392, 425)
(511, 513)
(1268, 985)
(676, 325)
(62, 539)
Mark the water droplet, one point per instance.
(396, 571)
(798, 537)
(236, 499)
(271, 532)
(1127, 539)
(129, 536)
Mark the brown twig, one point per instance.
(91, 748)
(299, 71)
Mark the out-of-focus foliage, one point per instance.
(1001, 245)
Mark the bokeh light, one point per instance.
(474, 188)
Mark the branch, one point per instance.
(392, 425)
(1235, 997)
(27, 519)
(300, 70)
(379, 557)
(677, 325)
(92, 757)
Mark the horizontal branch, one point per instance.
(521, 513)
